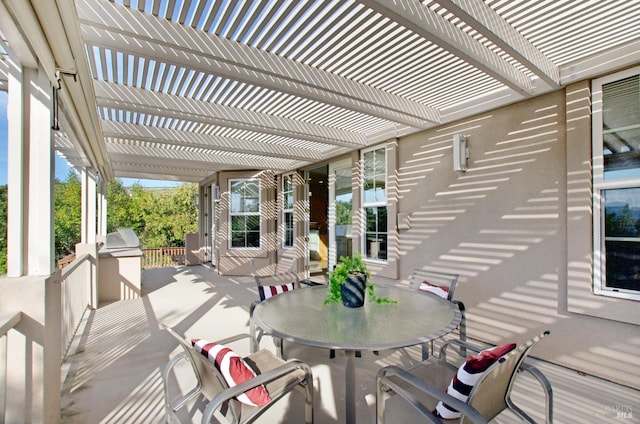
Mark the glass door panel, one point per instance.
(317, 238)
(340, 212)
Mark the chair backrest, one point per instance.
(210, 380)
(418, 276)
(264, 283)
(489, 396)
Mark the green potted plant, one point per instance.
(349, 281)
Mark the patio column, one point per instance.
(30, 249)
(88, 202)
(15, 175)
(102, 207)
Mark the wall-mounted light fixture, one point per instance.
(215, 193)
(460, 152)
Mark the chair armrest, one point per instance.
(460, 304)
(460, 343)
(424, 386)
(238, 337)
(179, 401)
(264, 378)
(310, 283)
(546, 386)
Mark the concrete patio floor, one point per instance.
(115, 376)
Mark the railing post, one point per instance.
(6, 324)
(91, 249)
(3, 375)
(52, 348)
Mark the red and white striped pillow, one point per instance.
(268, 291)
(442, 291)
(468, 375)
(234, 370)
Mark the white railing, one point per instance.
(7, 322)
(77, 294)
(39, 320)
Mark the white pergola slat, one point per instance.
(169, 137)
(204, 52)
(432, 26)
(214, 159)
(488, 23)
(151, 102)
(186, 88)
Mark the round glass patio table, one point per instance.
(300, 316)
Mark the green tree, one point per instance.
(171, 215)
(67, 215)
(118, 206)
(159, 217)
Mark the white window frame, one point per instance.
(375, 204)
(286, 210)
(257, 213)
(600, 185)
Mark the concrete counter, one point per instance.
(119, 273)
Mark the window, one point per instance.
(374, 203)
(616, 184)
(244, 213)
(287, 210)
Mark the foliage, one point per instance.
(126, 208)
(344, 212)
(171, 214)
(160, 217)
(622, 223)
(351, 266)
(68, 216)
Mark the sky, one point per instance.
(61, 165)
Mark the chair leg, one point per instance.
(255, 338)
(308, 400)
(463, 329)
(279, 347)
(425, 351)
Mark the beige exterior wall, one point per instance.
(34, 348)
(517, 227)
(260, 261)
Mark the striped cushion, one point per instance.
(234, 370)
(442, 291)
(268, 291)
(468, 376)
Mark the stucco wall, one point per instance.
(34, 354)
(248, 261)
(517, 227)
(503, 226)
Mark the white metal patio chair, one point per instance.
(431, 382)
(222, 402)
(443, 285)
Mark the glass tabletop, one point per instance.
(300, 316)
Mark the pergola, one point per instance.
(187, 90)
(181, 89)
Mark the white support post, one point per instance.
(40, 183)
(88, 202)
(102, 207)
(15, 170)
(30, 173)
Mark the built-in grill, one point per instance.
(122, 238)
